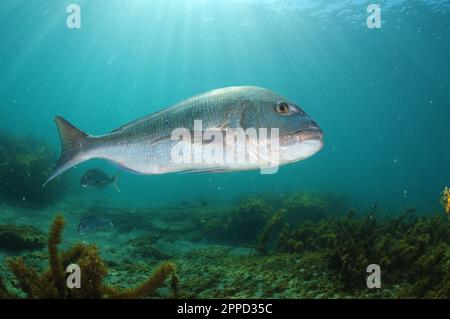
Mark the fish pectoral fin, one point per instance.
(115, 181)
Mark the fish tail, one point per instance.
(71, 153)
(115, 181)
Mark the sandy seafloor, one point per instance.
(205, 269)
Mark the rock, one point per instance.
(143, 247)
(20, 237)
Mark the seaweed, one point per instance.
(51, 283)
(25, 163)
(247, 219)
(20, 237)
(264, 235)
(241, 225)
(147, 288)
(143, 247)
(445, 200)
(54, 259)
(306, 206)
(413, 252)
(253, 219)
(4, 291)
(174, 285)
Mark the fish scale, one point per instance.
(144, 146)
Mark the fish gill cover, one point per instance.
(358, 92)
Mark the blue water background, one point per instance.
(382, 96)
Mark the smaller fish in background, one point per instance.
(92, 224)
(96, 178)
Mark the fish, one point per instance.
(145, 145)
(96, 178)
(92, 224)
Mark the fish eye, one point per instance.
(282, 108)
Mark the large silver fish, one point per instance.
(144, 146)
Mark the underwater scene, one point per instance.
(190, 149)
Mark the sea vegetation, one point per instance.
(16, 238)
(25, 163)
(445, 200)
(5, 293)
(240, 225)
(274, 253)
(252, 217)
(306, 206)
(51, 283)
(412, 251)
(123, 219)
(143, 247)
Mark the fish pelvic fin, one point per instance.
(71, 153)
(115, 181)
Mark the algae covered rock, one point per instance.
(254, 220)
(20, 237)
(123, 219)
(144, 247)
(25, 164)
(248, 219)
(241, 225)
(306, 206)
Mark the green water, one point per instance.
(380, 95)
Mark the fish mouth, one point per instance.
(312, 133)
(301, 144)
